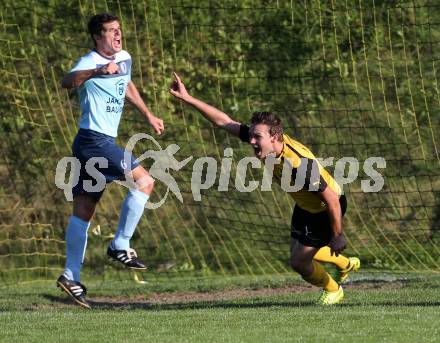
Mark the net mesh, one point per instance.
(348, 78)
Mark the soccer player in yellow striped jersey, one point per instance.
(316, 230)
(300, 158)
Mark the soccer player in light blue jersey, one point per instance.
(103, 81)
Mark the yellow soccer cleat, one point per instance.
(331, 298)
(342, 275)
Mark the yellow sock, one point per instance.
(321, 278)
(324, 255)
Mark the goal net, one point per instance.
(350, 79)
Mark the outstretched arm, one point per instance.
(211, 113)
(133, 96)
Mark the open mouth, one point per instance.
(257, 150)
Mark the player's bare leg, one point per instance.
(313, 272)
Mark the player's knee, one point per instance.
(295, 264)
(84, 208)
(298, 265)
(84, 213)
(147, 184)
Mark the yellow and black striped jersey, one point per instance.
(305, 170)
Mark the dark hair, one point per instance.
(96, 22)
(271, 120)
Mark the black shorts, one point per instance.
(313, 229)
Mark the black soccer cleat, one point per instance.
(76, 290)
(127, 258)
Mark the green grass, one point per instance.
(391, 308)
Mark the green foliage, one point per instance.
(348, 78)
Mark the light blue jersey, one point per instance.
(102, 97)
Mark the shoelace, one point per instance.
(129, 256)
(132, 253)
